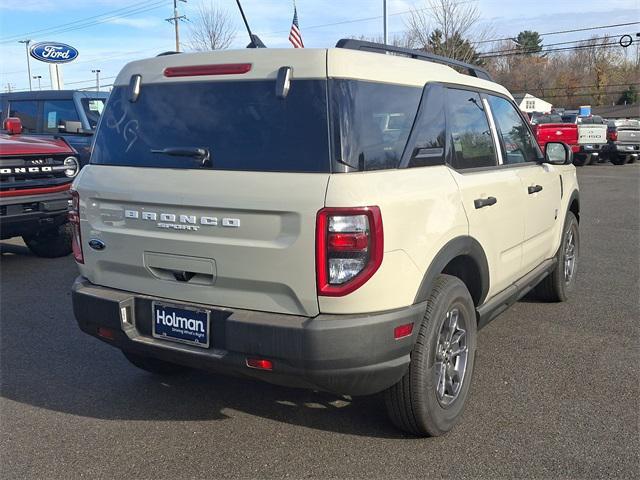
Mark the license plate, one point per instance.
(180, 323)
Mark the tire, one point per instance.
(580, 159)
(592, 159)
(556, 287)
(153, 365)
(631, 159)
(413, 404)
(619, 159)
(51, 243)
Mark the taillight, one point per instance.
(74, 219)
(349, 248)
(612, 135)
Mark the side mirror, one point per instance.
(558, 153)
(13, 125)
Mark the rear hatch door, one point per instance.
(235, 229)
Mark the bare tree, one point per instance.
(448, 28)
(211, 29)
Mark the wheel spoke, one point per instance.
(453, 323)
(441, 371)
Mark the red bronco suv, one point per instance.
(35, 176)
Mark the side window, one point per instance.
(469, 131)
(429, 133)
(27, 112)
(371, 122)
(517, 142)
(56, 115)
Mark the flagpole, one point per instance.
(384, 15)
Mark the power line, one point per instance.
(364, 19)
(142, 7)
(542, 89)
(550, 50)
(564, 31)
(529, 51)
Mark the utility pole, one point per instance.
(384, 16)
(38, 77)
(176, 21)
(26, 46)
(97, 72)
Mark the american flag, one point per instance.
(295, 37)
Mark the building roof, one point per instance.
(618, 111)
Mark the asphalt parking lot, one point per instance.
(555, 393)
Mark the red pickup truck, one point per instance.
(549, 128)
(35, 176)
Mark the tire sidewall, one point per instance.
(439, 418)
(571, 223)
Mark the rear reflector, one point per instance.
(403, 331)
(202, 70)
(260, 363)
(106, 333)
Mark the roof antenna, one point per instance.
(255, 41)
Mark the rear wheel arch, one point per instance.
(462, 257)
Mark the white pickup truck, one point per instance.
(592, 137)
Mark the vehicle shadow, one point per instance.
(46, 362)
(13, 249)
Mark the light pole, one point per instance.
(38, 77)
(384, 21)
(26, 46)
(97, 72)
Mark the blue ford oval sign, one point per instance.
(53, 52)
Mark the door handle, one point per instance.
(485, 202)
(534, 189)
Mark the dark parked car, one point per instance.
(623, 144)
(70, 114)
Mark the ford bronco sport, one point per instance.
(337, 219)
(35, 176)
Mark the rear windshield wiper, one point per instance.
(197, 152)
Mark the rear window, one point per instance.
(93, 108)
(547, 118)
(27, 112)
(243, 125)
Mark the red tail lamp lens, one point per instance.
(349, 248)
(260, 363)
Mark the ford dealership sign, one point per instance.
(53, 52)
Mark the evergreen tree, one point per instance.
(528, 42)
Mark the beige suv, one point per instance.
(338, 219)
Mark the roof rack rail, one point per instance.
(473, 70)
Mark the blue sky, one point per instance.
(133, 29)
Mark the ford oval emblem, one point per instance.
(96, 244)
(53, 52)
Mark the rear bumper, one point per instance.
(622, 148)
(593, 149)
(344, 354)
(29, 214)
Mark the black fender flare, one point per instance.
(456, 247)
(575, 195)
